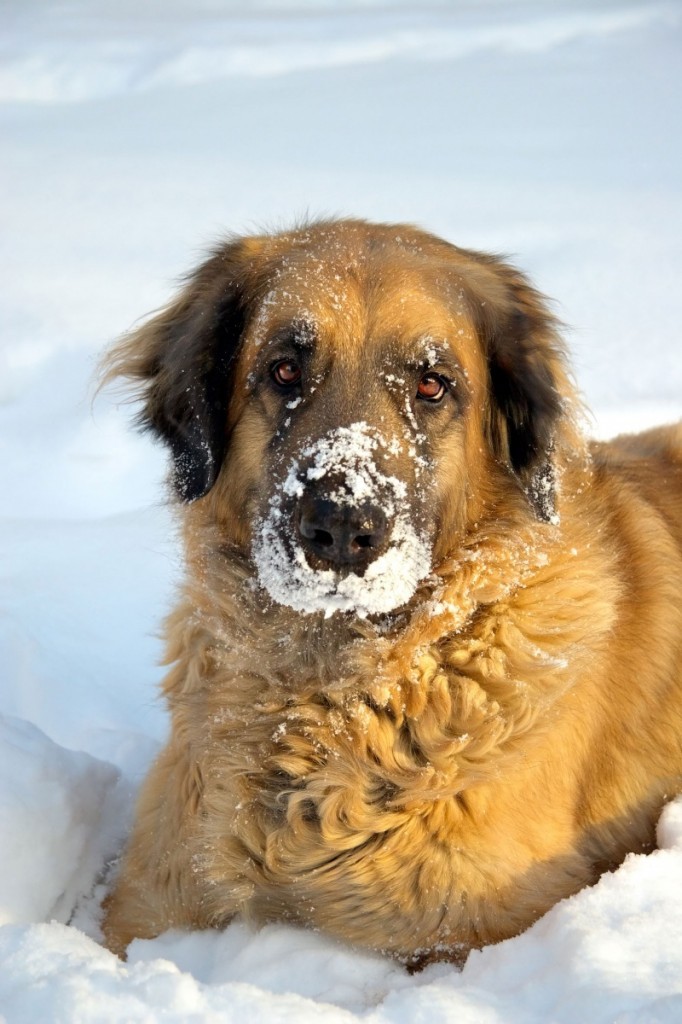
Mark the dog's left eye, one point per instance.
(285, 373)
(431, 388)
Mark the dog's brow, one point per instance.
(300, 334)
(433, 350)
(427, 351)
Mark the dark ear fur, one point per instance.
(527, 379)
(182, 361)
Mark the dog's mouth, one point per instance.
(337, 536)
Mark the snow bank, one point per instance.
(172, 49)
(54, 805)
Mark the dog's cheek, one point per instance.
(241, 491)
(447, 502)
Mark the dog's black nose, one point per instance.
(343, 534)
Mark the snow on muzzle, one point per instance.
(337, 534)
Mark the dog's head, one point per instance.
(346, 400)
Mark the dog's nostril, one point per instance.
(315, 534)
(364, 540)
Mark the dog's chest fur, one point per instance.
(329, 804)
(366, 805)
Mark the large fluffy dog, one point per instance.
(427, 659)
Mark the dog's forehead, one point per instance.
(338, 292)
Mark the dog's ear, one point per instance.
(528, 379)
(181, 363)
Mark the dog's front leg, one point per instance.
(157, 887)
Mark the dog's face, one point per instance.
(349, 373)
(346, 400)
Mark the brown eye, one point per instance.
(285, 373)
(431, 388)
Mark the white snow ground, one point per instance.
(135, 132)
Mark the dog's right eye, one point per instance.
(286, 373)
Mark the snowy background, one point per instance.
(135, 133)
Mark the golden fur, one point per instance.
(437, 777)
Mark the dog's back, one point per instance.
(649, 463)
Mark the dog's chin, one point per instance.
(310, 585)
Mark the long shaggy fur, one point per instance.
(433, 779)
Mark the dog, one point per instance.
(426, 661)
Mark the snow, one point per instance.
(52, 802)
(134, 134)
